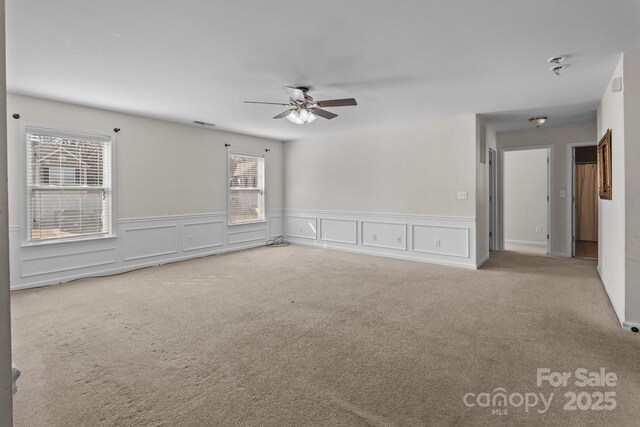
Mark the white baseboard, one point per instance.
(628, 325)
(140, 243)
(525, 242)
(425, 238)
(380, 254)
(482, 261)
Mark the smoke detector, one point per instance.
(556, 60)
(557, 67)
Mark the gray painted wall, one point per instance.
(180, 169)
(611, 213)
(5, 316)
(411, 170)
(619, 222)
(632, 183)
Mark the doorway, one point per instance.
(584, 200)
(525, 179)
(492, 200)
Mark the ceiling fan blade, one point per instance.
(260, 102)
(295, 93)
(283, 114)
(346, 102)
(324, 113)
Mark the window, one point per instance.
(246, 188)
(68, 185)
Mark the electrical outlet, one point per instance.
(399, 239)
(563, 194)
(538, 229)
(462, 195)
(436, 243)
(374, 237)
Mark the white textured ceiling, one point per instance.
(404, 61)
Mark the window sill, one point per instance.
(69, 240)
(262, 221)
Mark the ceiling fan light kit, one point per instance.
(303, 109)
(301, 116)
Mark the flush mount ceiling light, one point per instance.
(538, 121)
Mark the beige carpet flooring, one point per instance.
(526, 249)
(295, 336)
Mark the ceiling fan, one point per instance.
(303, 109)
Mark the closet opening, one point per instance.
(585, 202)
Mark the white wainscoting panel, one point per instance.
(302, 227)
(43, 265)
(386, 235)
(250, 235)
(151, 241)
(339, 230)
(202, 235)
(139, 242)
(441, 240)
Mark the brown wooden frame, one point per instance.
(604, 166)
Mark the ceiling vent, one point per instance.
(201, 123)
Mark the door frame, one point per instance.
(492, 199)
(550, 191)
(571, 206)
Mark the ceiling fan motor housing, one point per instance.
(301, 104)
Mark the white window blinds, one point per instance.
(246, 188)
(68, 186)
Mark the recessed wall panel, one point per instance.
(244, 236)
(339, 230)
(441, 240)
(384, 235)
(48, 264)
(202, 235)
(147, 242)
(302, 227)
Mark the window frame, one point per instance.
(264, 186)
(29, 127)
